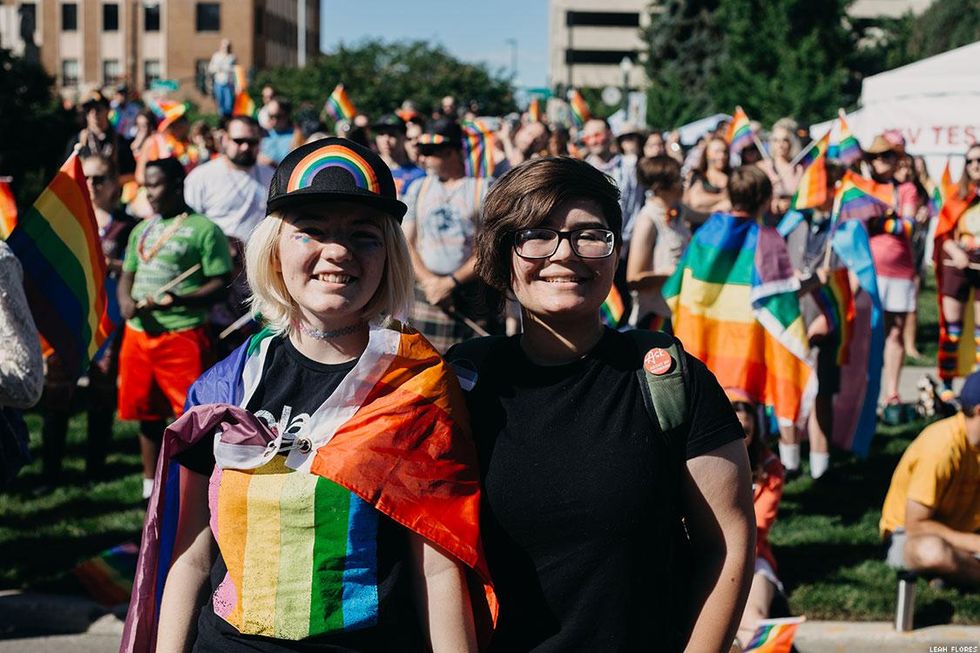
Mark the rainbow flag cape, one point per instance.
(739, 132)
(57, 242)
(478, 145)
(534, 110)
(848, 148)
(580, 108)
(821, 148)
(734, 306)
(8, 209)
(836, 301)
(339, 106)
(774, 636)
(108, 577)
(860, 198)
(613, 308)
(394, 434)
(244, 104)
(812, 191)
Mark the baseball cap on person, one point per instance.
(389, 122)
(439, 133)
(334, 170)
(970, 393)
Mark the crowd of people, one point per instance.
(328, 274)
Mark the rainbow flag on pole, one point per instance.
(848, 148)
(580, 108)
(734, 306)
(339, 106)
(836, 301)
(818, 149)
(613, 308)
(534, 110)
(774, 636)
(812, 191)
(478, 144)
(57, 242)
(739, 132)
(861, 198)
(8, 209)
(244, 104)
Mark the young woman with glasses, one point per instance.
(576, 518)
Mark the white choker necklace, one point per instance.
(327, 335)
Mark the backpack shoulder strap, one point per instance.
(664, 395)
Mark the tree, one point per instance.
(34, 126)
(379, 75)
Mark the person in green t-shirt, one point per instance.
(177, 265)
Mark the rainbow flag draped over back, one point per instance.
(734, 306)
(534, 110)
(57, 242)
(8, 209)
(774, 636)
(339, 106)
(812, 191)
(848, 147)
(739, 132)
(860, 198)
(244, 104)
(580, 108)
(478, 144)
(393, 434)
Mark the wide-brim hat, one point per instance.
(334, 170)
(880, 145)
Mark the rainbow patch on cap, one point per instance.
(331, 156)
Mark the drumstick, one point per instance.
(173, 283)
(476, 328)
(235, 326)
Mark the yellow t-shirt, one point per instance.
(940, 470)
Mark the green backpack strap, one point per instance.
(665, 395)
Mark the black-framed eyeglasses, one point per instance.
(245, 141)
(541, 242)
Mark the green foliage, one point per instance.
(943, 26)
(379, 75)
(34, 126)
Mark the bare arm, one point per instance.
(443, 598)
(721, 523)
(193, 557)
(919, 521)
(640, 274)
(124, 293)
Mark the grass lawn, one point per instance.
(825, 540)
(927, 331)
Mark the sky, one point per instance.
(472, 31)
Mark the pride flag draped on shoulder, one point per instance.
(734, 306)
(57, 242)
(339, 106)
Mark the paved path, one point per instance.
(910, 377)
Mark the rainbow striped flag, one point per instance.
(848, 148)
(940, 190)
(8, 209)
(774, 636)
(613, 308)
(836, 301)
(812, 191)
(108, 577)
(244, 104)
(478, 145)
(739, 132)
(860, 198)
(392, 440)
(580, 108)
(534, 110)
(734, 306)
(339, 106)
(57, 242)
(820, 148)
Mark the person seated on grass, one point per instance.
(930, 522)
(767, 490)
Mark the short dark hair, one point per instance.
(526, 196)
(243, 118)
(284, 105)
(171, 168)
(659, 173)
(749, 188)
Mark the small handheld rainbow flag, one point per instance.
(940, 191)
(861, 198)
(580, 108)
(108, 577)
(612, 308)
(848, 147)
(57, 242)
(244, 104)
(774, 636)
(812, 191)
(819, 148)
(8, 209)
(339, 106)
(836, 301)
(534, 110)
(739, 132)
(478, 143)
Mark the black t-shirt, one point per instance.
(293, 386)
(577, 532)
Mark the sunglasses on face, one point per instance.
(245, 141)
(97, 180)
(885, 156)
(972, 161)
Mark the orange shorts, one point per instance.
(155, 371)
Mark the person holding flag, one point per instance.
(781, 166)
(957, 259)
(177, 265)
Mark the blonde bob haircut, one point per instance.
(279, 311)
